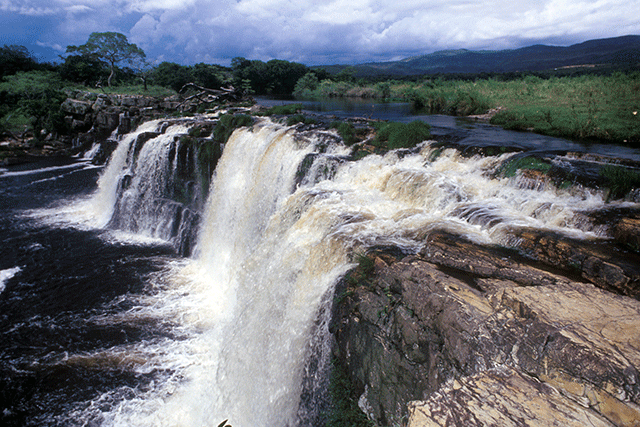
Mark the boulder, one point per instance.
(604, 263)
(76, 107)
(627, 231)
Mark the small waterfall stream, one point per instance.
(243, 307)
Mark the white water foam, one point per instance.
(7, 274)
(8, 174)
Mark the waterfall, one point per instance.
(104, 200)
(150, 190)
(270, 248)
(144, 205)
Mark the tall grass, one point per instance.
(590, 107)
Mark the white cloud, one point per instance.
(329, 30)
(158, 5)
(53, 46)
(78, 8)
(29, 8)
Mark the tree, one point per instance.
(306, 84)
(15, 58)
(209, 76)
(113, 48)
(83, 68)
(35, 95)
(274, 77)
(170, 74)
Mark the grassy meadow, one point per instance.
(589, 107)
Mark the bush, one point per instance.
(228, 123)
(344, 401)
(306, 84)
(346, 131)
(36, 95)
(300, 118)
(394, 135)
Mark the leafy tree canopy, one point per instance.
(15, 58)
(83, 69)
(273, 77)
(111, 47)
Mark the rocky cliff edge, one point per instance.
(462, 334)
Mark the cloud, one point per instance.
(155, 5)
(327, 31)
(29, 8)
(79, 8)
(53, 46)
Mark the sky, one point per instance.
(320, 32)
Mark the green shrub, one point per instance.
(469, 102)
(228, 123)
(346, 131)
(344, 410)
(300, 118)
(394, 135)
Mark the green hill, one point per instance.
(612, 53)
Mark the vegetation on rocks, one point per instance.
(280, 110)
(620, 180)
(30, 100)
(346, 131)
(394, 135)
(344, 410)
(509, 168)
(228, 123)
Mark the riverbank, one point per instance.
(591, 108)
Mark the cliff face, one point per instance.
(467, 335)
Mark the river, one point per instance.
(104, 321)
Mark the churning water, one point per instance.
(103, 323)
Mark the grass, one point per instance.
(620, 180)
(511, 167)
(590, 107)
(392, 135)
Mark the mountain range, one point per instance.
(611, 53)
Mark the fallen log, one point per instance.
(207, 95)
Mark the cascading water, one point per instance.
(271, 246)
(149, 190)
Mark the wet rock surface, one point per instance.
(463, 334)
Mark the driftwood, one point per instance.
(206, 95)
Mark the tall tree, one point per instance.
(113, 48)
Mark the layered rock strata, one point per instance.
(466, 335)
